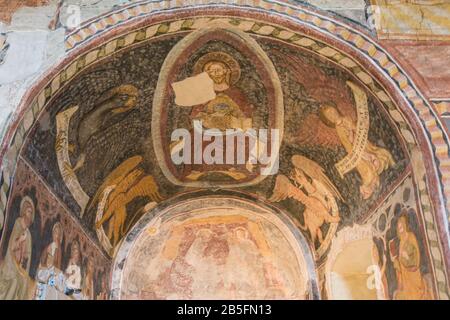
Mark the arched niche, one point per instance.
(349, 275)
(214, 247)
(367, 261)
(350, 268)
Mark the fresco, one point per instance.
(245, 95)
(45, 254)
(331, 128)
(213, 252)
(399, 249)
(333, 158)
(104, 148)
(395, 264)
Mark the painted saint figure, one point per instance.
(218, 111)
(230, 109)
(374, 160)
(411, 283)
(51, 256)
(248, 280)
(207, 257)
(73, 272)
(49, 276)
(88, 281)
(14, 269)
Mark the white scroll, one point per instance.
(194, 90)
(62, 155)
(102, 237)
(362, 131)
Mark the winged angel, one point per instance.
(344, 122)
(308, 184)
(127, 182)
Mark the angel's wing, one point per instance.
(315, 171)
(283, 189)
(319, 88)
(146, 187)
(314, 132)
(128, 189)
(117, 175)
(126, 183)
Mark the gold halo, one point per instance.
(27, 200)
(223, 57)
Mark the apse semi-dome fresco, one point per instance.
(259, 150)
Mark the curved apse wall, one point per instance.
(96, 155)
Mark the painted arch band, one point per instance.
(266, 72)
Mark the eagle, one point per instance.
(113, 102)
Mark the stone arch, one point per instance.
(202, 210)
(343, 44)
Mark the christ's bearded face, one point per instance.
(217, 71)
